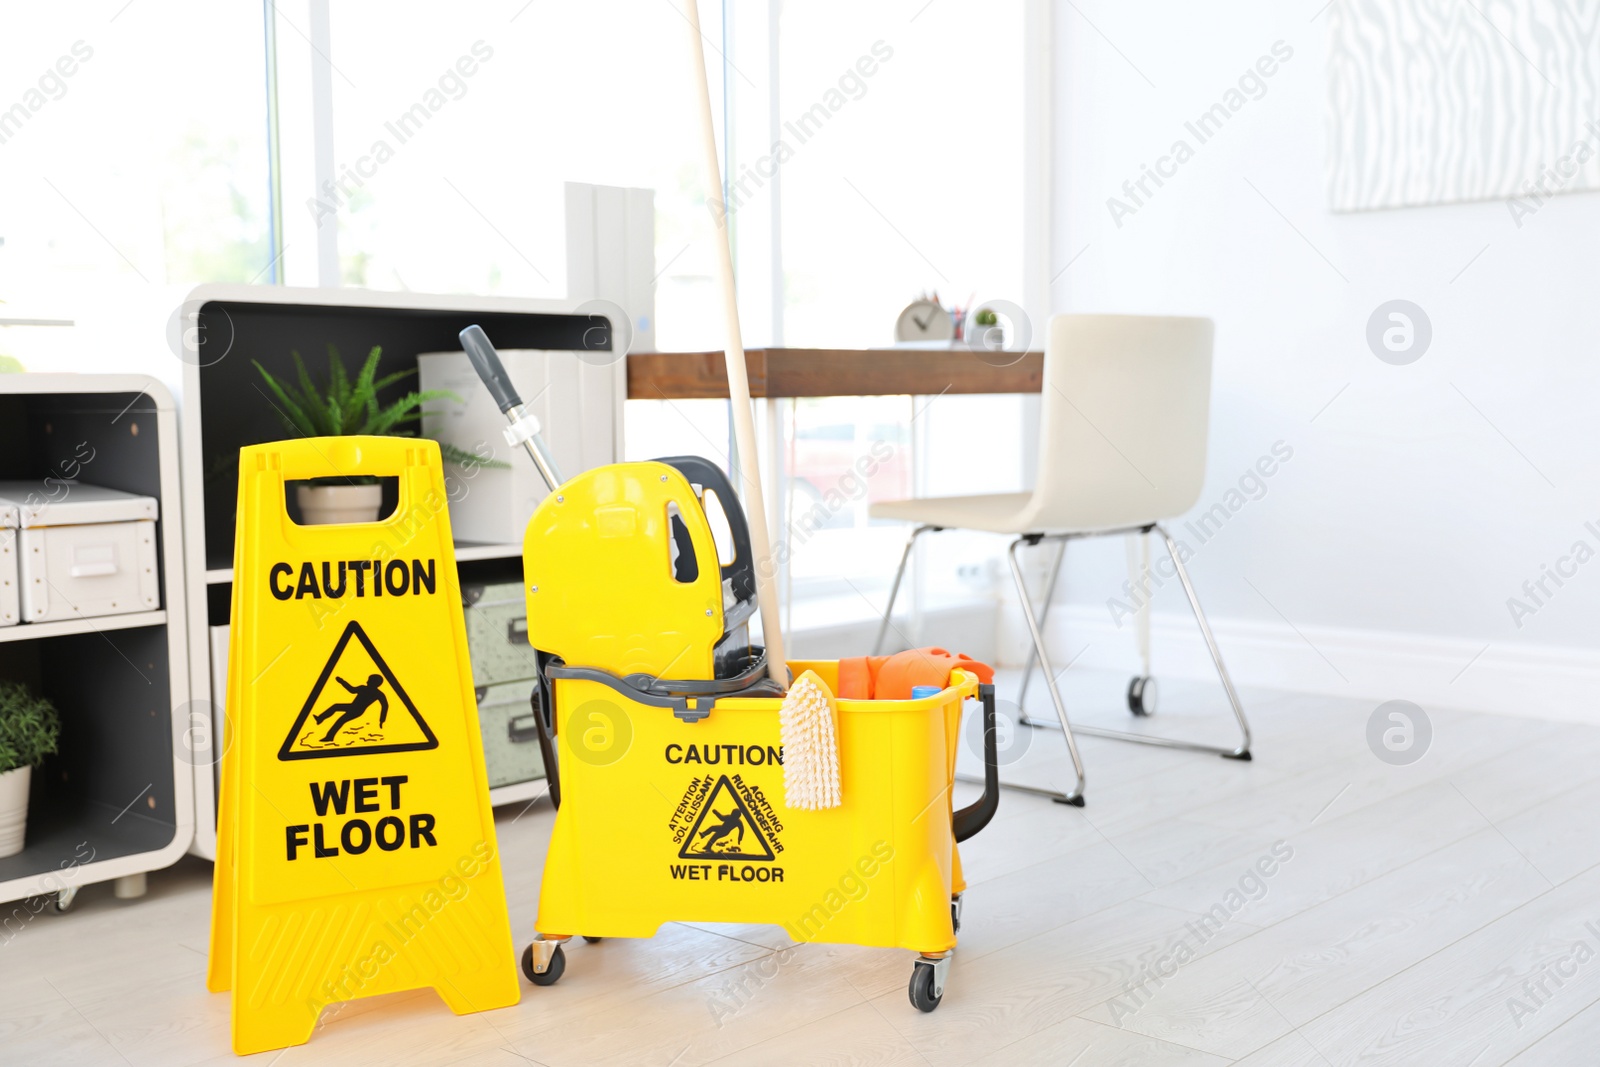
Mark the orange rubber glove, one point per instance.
(892, 677)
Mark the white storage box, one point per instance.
(10, 608)
(83, 551)
(578, 401)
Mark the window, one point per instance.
(863, 172)
(899, 128)
(923, 126)
(132, 158)
(455, 130)
(863, 149)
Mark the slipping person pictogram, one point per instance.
(726, 825)
(330, 723)
(365, 697)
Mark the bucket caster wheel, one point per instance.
(552, 972)
(591, 940)
(927, 983)
(1142, 695)
(955, 913)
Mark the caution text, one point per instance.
(336, 579)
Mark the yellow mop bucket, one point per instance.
(668, 769)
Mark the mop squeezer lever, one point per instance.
(522, 424)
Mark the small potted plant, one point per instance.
(346, 407)
(986, 330)
(29, 730)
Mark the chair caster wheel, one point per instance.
(923, 997)
(551, 974)
(591, 940)
(1142, 695)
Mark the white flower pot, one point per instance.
(14, 809)
(321, 505)
(990, 338)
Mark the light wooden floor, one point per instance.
(1417, 903)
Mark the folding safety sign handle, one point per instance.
(975, 816)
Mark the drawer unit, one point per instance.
(510, 736)
(497, 634)
(83, 551)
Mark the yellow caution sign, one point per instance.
(356, 849)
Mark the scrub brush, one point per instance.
(810, 730)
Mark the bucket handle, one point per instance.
(741, 572)
(964, 823)
(690, 701)
(967, 821)
(542, 703)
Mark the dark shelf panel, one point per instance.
(234, 406)
(111, 688)
(62, 835)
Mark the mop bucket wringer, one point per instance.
(663, 745)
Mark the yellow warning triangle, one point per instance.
(356, 707)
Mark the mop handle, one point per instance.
(486, 361)
(523, 425)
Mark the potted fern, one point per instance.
(29, 730)
(346, 407)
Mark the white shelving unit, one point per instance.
(117, 800)
(64, 627)
(222, 411)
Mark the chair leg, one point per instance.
(894, 589)
(1139, 572)
(1076, 796)
(1044, 617)
(1243, 751)
(1239, 752)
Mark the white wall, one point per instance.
(1418, 501)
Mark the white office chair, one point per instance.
(1122, 446)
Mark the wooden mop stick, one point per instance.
(744, 427)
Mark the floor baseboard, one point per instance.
(1533, 681)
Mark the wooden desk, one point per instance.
(785, 372)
